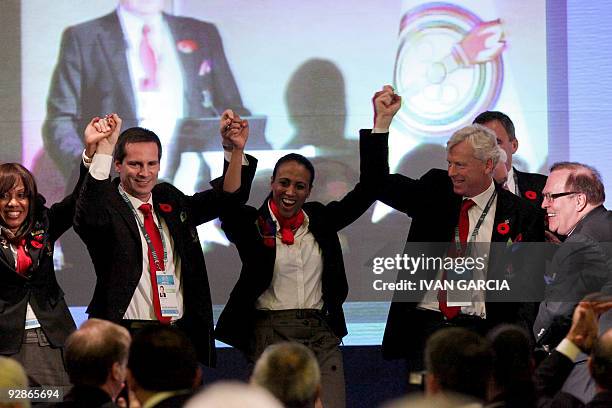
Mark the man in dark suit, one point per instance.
(523, 184)
(558, 366)
(292, 284)
(573, 199)
(465, 208)
(163, 368)
(140, 234)
(178, 69)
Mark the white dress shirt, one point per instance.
(297, 277)
(160, 109)
(480, 248)
(141, 304)
(511, 182)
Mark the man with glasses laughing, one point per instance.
(573, 198)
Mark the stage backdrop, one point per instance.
(307, 71)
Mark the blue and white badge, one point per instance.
(166, 291)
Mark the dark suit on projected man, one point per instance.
(436, 204)
(100, 70)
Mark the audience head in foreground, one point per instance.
(97, 356)
(458, 361)
(290, 371)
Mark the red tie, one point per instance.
(451, 312)
(23, 259)
(155, 237)
(148, 61)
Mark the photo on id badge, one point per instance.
(166, 291)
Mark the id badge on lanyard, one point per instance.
(166, 291)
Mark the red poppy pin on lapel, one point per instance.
(36, 244)
(531, 195)
(187, 46)
(165, 208)
(503, 227)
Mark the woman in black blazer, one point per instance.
(34, 318)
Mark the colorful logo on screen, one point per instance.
(449, 68)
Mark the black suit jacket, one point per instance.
(81, 396)
(244, 227)
(580, 266)
(530, 186)
(550, 377)
(434, 209)
(40, 286)
(92, 78)
(108, 227)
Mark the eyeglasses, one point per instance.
(553, 196)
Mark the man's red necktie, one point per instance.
(148, 61)
(155, 237)
(451, 312)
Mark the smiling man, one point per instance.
(142, 235)
(573, 199)
(455, 207)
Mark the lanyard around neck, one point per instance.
(476, 228)
(145, 234)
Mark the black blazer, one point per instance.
(244, 227)
(580, 266)
(40, 286)
(549, 379)
(530, 186)
(434, 209)
(108, 227)
(92, 78)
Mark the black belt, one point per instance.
(289, 314)
(136, 325)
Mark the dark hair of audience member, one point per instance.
(460, 360)
(163, 359)
(135, 135)
(513, 364)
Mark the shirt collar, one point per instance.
(481, 199)
(277, 224)
(136, 203)
(132, 24)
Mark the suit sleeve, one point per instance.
(61, 215)
(210, 204)
(374, 166)
(91, 213)
(549, 378)
(60, 129)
